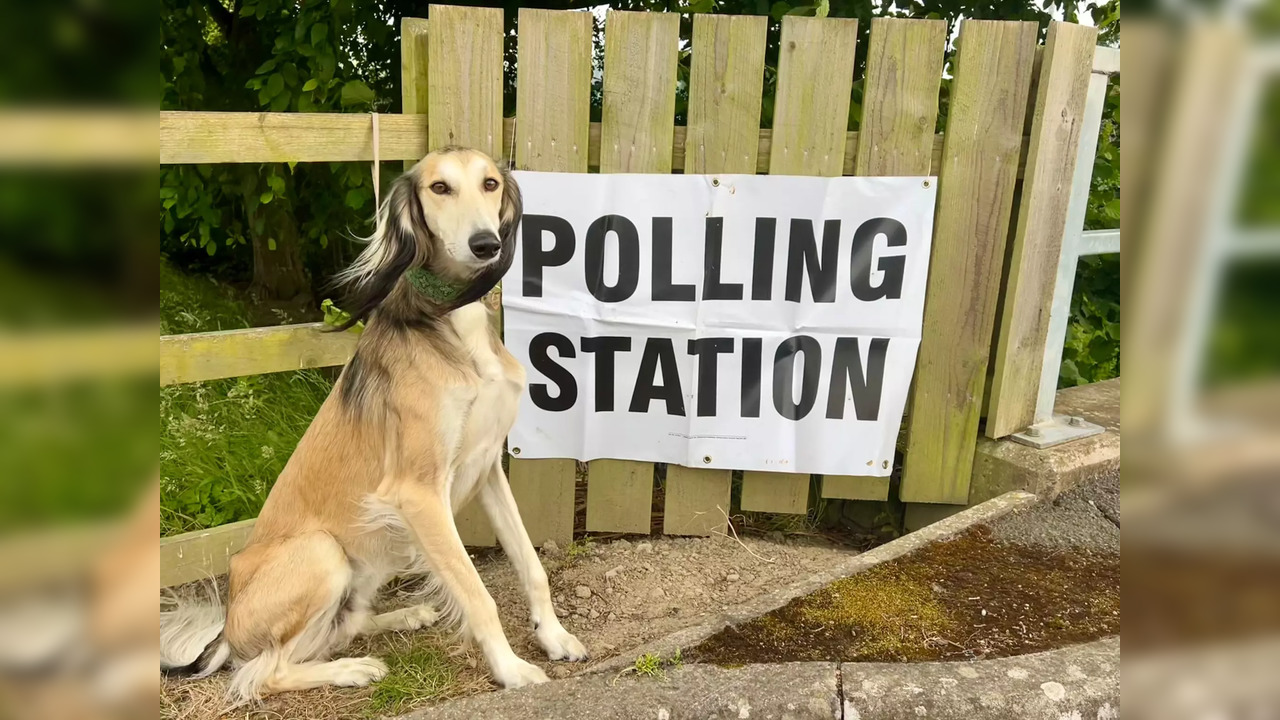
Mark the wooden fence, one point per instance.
(1014, 116)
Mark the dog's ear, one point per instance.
(400, 240)
(511, 211)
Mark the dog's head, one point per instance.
(453, 215)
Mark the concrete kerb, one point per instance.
(1079, 682)
(761, 604)
(802, 691)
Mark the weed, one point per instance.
(650, 665)
(414, 674)
(579, 548)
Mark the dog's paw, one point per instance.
(420, 616)
(560, 644)
(358, 672)
(517, 673)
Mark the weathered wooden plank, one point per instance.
(233, 353)
(464, 78)
(899, 112)
(726, 84)
(900, 97)
(640, 57)
(413, 81)
(1042, 217)
(619, 496)
(810, 125)
(201, 554)
(553, 101)
(975, 195)
(414, 51)
(222, 137)
(544, 492)
(215, 137)
(464, 82)
(638, 116)
(811, 108)
(855, 487)
(697, 502)
(553, 90)
(775, 492)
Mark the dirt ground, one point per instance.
(612, 595)
(1041, 577)
(971, 597)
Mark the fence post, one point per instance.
(899, 113)
(553, 104)
(975, 196)
(726, 86)
(1042, 216)
(1069, 257)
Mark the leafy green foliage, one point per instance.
(336, 316)
(1092, 349)
(275, 56)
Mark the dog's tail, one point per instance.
(191, 640)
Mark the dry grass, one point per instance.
(425, 667)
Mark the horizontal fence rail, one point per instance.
(188, 137)
(234, 353)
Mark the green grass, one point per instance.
(224, 442)
(415, 674)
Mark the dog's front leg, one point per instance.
(431, 519)
(500, 505)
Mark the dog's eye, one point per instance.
(490, 184)
(439, 188)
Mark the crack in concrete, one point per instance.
(840, 689)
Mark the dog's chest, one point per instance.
(494, 396)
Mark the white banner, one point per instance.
(731, 321)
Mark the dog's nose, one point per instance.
(484, 244)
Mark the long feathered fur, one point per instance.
(191, 640)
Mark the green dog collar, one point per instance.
(433, 286)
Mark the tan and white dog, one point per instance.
(412, 431)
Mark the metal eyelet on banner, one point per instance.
(926, 183)
(715, 182)
(706, 460)
(515, 451)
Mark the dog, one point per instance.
(413, 430)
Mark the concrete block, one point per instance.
(1003, 465)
